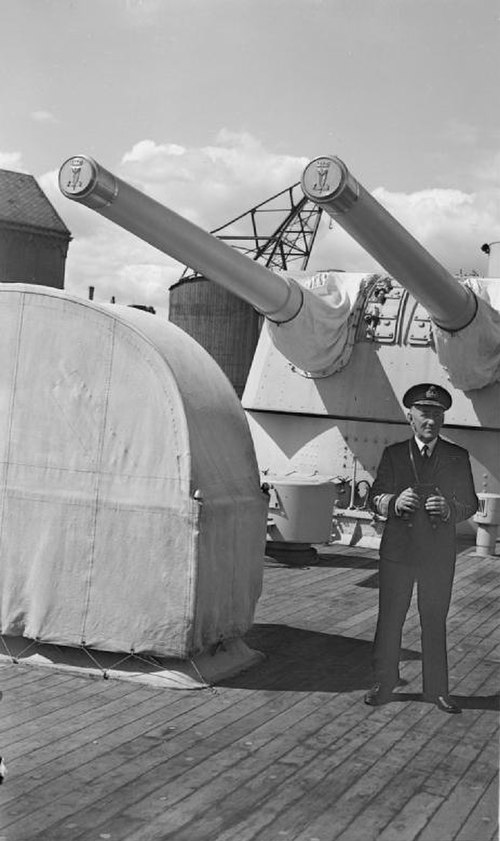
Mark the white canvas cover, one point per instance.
(110, 420)
(471, 356)
(319, 340)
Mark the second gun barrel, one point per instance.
(327, 182)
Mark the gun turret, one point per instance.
(327, 182)
(372, 333)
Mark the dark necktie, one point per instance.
(425, 452)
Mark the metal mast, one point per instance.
(279, 232)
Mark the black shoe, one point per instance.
(446, 705)
(378, 695)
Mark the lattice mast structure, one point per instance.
(279, 232)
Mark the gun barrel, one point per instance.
(327, 182)
(85, 181)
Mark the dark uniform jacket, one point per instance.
(418, 538)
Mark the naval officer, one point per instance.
(424, 487)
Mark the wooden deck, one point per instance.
(287, 750)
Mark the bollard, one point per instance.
(487, 518)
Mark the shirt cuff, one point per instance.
(383, 504)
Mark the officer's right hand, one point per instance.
(407, 502)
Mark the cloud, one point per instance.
(12, 161)
(147, 150)
(213, 184)
(43, 117)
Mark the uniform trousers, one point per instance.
(434, 585)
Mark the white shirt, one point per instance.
(430, 447)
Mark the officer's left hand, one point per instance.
(437, 506)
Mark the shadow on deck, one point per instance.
(299, 660)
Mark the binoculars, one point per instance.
(426, 489)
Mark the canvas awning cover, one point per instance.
(110, 420)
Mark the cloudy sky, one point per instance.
(212, 106)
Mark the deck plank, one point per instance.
(124, 741)
(285, 751)
(408, 734)
(172, 773)
(479, 825)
